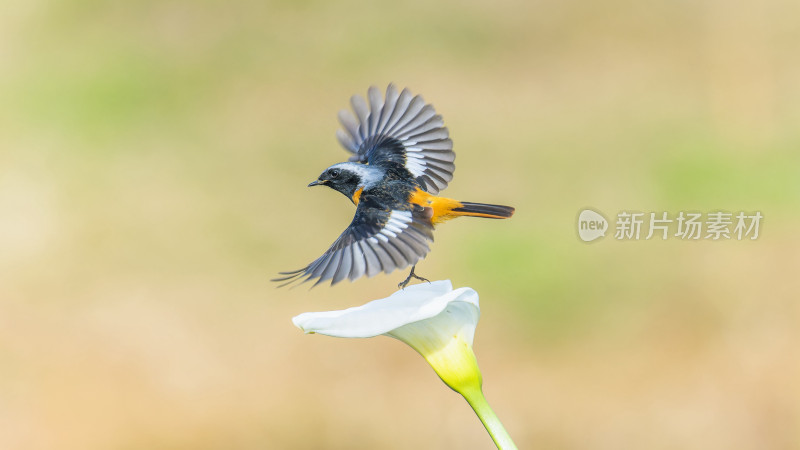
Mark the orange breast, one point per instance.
(357, 195)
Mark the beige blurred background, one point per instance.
(154, 157)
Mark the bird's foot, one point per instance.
(410, 276)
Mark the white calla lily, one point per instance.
(433, 319)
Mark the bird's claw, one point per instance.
(411, 275)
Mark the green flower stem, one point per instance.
(489, 419)
(455, 363)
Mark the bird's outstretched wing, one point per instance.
(376, 241)
(399, 129)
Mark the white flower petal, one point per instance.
(407, 306)
(458, 318)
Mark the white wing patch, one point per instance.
(398, 221)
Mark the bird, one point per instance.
(401, 158)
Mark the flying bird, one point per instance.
(402, 157)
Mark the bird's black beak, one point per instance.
(314, 183)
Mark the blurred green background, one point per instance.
(154, 157)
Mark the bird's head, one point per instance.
(347, 178)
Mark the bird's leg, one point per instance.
(410, 276)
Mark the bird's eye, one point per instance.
(334, 173)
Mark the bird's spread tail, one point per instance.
(483, 210)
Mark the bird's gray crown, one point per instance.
(369, 175)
